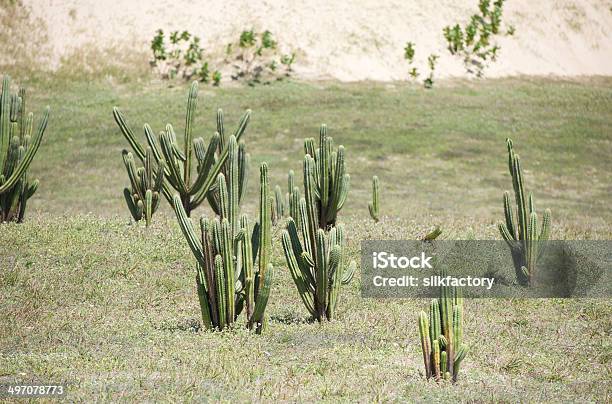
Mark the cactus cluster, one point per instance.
(523, 236)
(442, 335)
(146, 186)
(226, 249)
(17, 150)
(373, 206)
(317, 260)
(193, 179)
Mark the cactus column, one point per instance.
(192, 172)
(17, 150)
(523, 236)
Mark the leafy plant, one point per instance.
(317, 261)
(475, 41)
(255, 59)
(146, 186)
(409, 52)
(374, 205)
(442, 335)
(523, 236)
(182, 57)
(432, 60)
(17, 150)
(288, 60)
(226, 250)
(216, 78)
(192, 172)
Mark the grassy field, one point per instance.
(110, 308)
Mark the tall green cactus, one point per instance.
(146, 186)
(523, 236)
(374, 205)
(313, 244)
(226, 250)
(17, 150)
(441, 335)
(193, 179)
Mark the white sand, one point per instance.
(348, 40)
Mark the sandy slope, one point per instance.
(344, 39)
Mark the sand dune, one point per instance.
(343, 39)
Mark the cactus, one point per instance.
(523, 236)
(441, 335)
(146, 185)
(314, 245)
(193, 179)
(226, 250)
(17, 150)
(373, 206)
(278, 205)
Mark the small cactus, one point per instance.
(193, 178)
(441, 335)
(373, 206)
(17, 150)
(523, 236)
(146, 186)
(278, 205)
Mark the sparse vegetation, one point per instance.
(121, 323)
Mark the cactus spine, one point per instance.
(441, 335)
(226, 250)
(146, 186)
(17, 150)
(193, 178)
(373, 206)
(313, 244)
(523, 236)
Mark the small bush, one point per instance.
(183, 57)
(475, 42)
(255, 58)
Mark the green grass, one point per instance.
(111, 308)
(442, 150)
